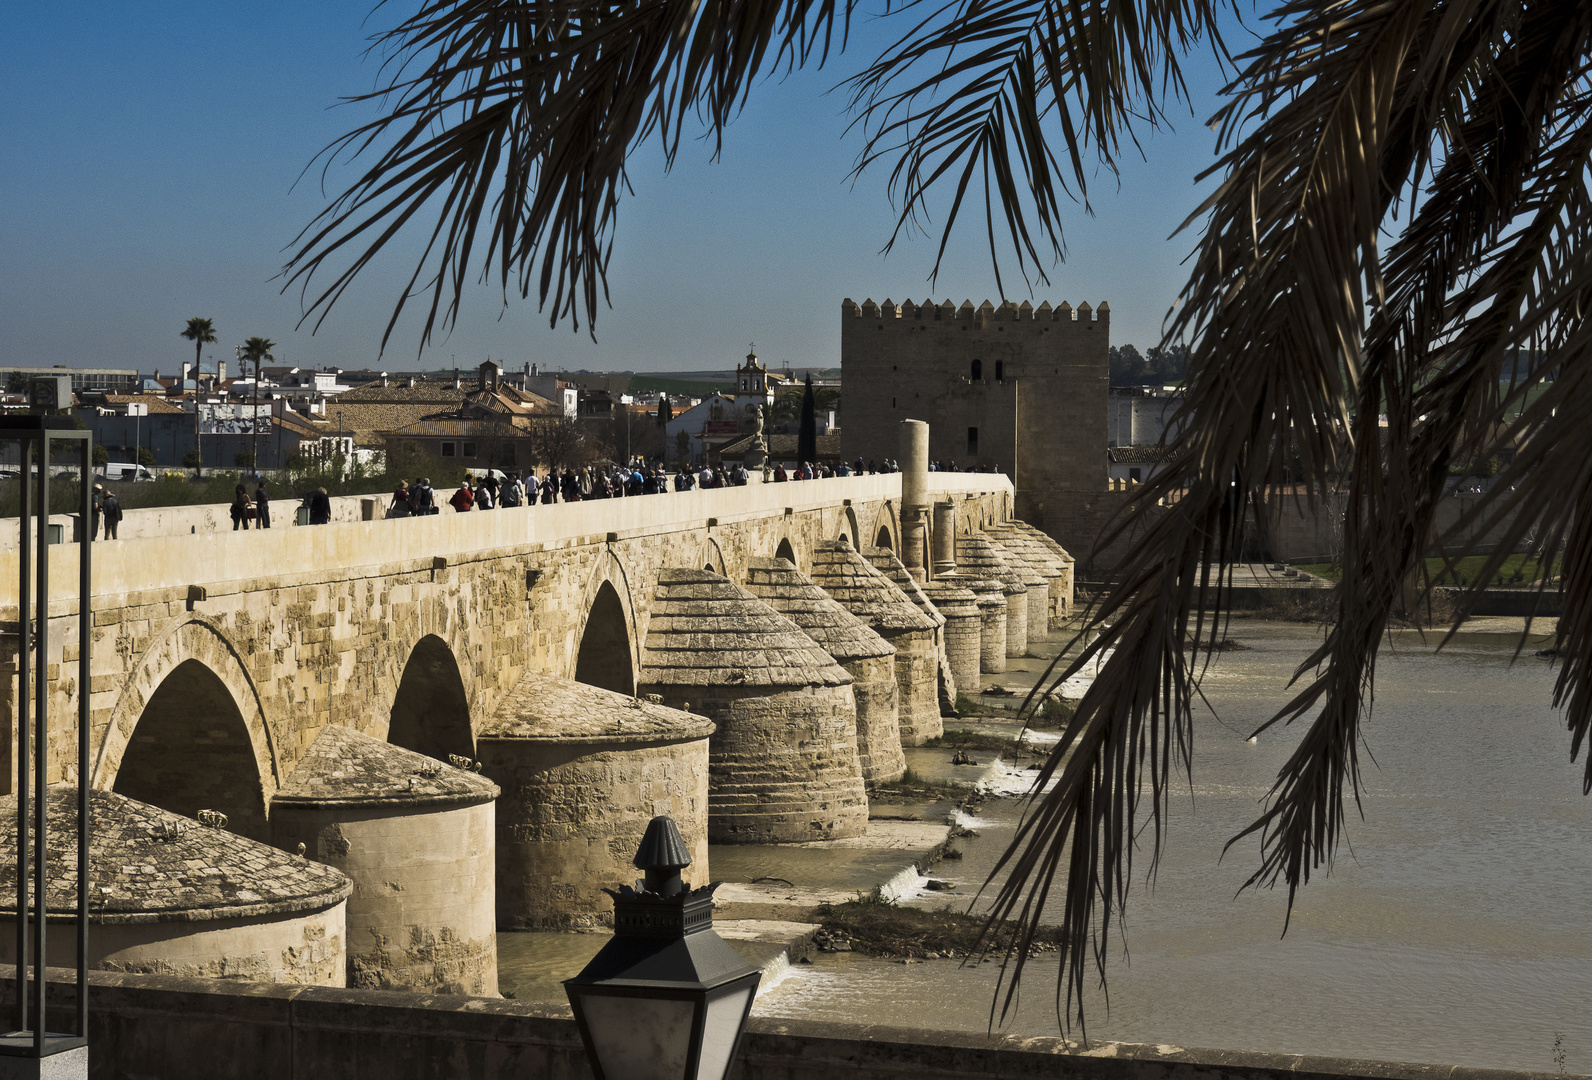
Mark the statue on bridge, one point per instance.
(757, 453)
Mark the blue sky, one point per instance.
(153, 166)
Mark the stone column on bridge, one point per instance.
(1050, 606)
(914, 462)
(963, 632)
(1043, 539)
(175, 896)
(1019, 545)
(944, 538)
(783, 765)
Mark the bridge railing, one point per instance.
(153, 563)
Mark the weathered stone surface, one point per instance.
(196, 1029)
(783, 763)
(963, 631)
(1015, 543)
(862, 589)
(344, 767)
(980, 559)
(884, 560)
(1061, 555)
(172, 896)
(416, 837)
(862, 652)
(583, 770)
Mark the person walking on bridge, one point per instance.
(320, 508)
(262, 505)
(462, 500)
(110, 513)
(242, 509)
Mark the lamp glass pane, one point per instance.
(639, 1038)
(720, 1030)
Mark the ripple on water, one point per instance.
(1451, 932)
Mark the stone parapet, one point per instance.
(203, 1029)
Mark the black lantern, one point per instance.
(666, 997)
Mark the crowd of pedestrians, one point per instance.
(495, 489)
(511, 489)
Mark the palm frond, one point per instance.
(979, 90)
(1305, 338)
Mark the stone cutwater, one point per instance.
(416, 835)
(963, 631)
(783, 764)
(1060, 554)
(862, 589)
(171, 896)
(583, 770)
(977, 556)
(867, 656)
(1016, 544)
(884, 560)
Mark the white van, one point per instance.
(127, 471)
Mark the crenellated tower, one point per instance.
(1010, 386)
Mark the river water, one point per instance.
(1454, 927)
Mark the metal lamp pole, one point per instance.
(30, 1048)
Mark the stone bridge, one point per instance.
(218, 657)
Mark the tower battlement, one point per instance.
(984, 315)
(1007, 386)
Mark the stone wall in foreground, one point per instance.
(200, 1029)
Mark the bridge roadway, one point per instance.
(217, 657)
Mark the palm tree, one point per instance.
(257, 349)
(1402, 215)
(201, 332)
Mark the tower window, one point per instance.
(1000, 371)
(978, 370)
(972, 439)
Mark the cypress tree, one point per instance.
(807, 435)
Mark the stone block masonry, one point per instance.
(1013, 387)
(198, 1029)
(415, 632)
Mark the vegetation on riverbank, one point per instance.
(878, 928)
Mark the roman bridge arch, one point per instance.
(713, 559)
(189, 731)
(609, 650)
(848, 528)
(885, 528)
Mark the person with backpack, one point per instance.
(422, 500)
(509, 494)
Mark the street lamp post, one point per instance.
(666, 998)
